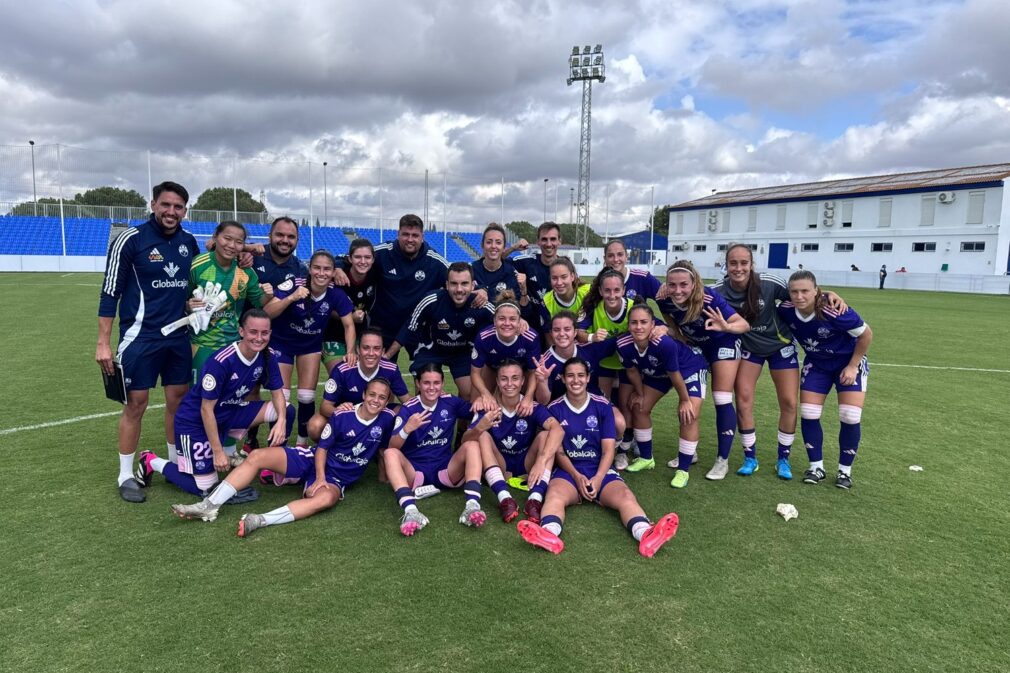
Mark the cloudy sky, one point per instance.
(699, 96)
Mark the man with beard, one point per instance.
(278, 262)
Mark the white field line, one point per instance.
(78, 419)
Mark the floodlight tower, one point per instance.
(585, 65)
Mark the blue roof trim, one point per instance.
(834, 197)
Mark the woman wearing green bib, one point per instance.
(567, 294)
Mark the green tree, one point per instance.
(28, 207)
(661, 219)
(223, 198)
(111, 196)
(523, 229)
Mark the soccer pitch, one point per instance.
(907, 572)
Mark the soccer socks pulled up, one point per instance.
(725, 421)
(306, 409)
(471, 490)
(786, 440)
(749, 440)
(125, 467)
(539, 490)
(405, 498)
(625, 442)
(496, 480)
(643, 437)
(685, 453)
(184, 481)
(813, 433)
(637, 526)
(552, 524)
(221, 494)
(278, 516)
(849, 434)
(173, 453)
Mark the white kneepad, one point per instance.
(810, 412)
(849, 414)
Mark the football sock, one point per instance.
(685, 454)
(816, 464)
(848, 443)
(749, 440)
(472, 490)
(221, 494)
(306, 409)
(725, 422)
(637, 526)
(551, 524)
(125, 467)
(643, 437)
(538, 491)
(172, 452)
(496, 480)
(184, 481)
(278, 516)
(786, 443)
(158, 464)
(405, 498)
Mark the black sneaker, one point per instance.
(843, 481)
(144, 472)
(813, 476)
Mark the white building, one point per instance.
(951, 221)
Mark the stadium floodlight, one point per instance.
(585, 67)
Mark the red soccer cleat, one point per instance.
(509, 510)
(538, 537)
(532, 510)
(658, 535)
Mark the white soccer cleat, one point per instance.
(472, 515)
(621, 461)
(719, 470)
(202, 510)
(411, 522)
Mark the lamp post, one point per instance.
(35, 196)
(571, 203)
(545, 198)
(325, 198)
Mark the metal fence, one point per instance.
(51, 180)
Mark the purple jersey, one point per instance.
(661, 356)
(430, 446)
(489, 350)
(640, 283)
(347, 383)
(829, 342)
(228, 378)
(710, 341)
(299, 329)
(592, 353)
(585, 430)
(514, 434)
(350, 442)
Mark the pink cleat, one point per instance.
(538, 537)
(412, 522)
(658, 535)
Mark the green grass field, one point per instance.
(907, 572)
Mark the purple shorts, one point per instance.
(192, 446)
(816, 379)
(435, 475)
(608, 478)
(784, 358)
(724, 347)
(515, 462)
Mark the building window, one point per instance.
(846, 214)
(924, 247)
(810, 247)
(780, 218)
(881, 247)
(928, 211)
(700, 248)
(702, 220)
(844, 247)
(722, 247)
(752, 219)
(680, 223)
(976, 207)
(813, 212)
(726, 213)
(972, 246)
(885, 213)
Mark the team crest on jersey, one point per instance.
(823, 332)
(469, 322)
(591, 422)
(183, 250)
(582, 316)
(209, 382)
(327, 431)
(258, 372)
(324, 307)
(331, 386)
(442, 324)
(286, 285)
(630, 294)
(419, 276)
(653, 361)
(155, 256)
(375, 432)
(443, 414)
(579, 441)
(522, 425)
(369, 291)
(761, 304)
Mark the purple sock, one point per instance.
(749, 440)
(472, 490)
(848, 442)
(305, 412)
(684, 460)
(725, 425)
(813, 438)
(182, 480)
(404, 497)
(540, 488)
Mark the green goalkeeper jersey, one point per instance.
(615, 325)
(241, 285)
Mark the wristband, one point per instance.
(403, 434)
(590, 337)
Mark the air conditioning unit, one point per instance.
(829, 221)
(712, 226)
(713, 213)
(945, 197)
(829, 205)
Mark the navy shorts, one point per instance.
(515, 463)
(818, 379)
(459, 365)
(723, 347)
(695, 382)
(145, 360)
(286, 355)
(192, 446)
(434, 475)
(783, 358)
(610, 477)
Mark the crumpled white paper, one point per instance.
(787, 511)
(915, 468)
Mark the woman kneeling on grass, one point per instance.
(348, 442)
(584, 471)
(835, 344)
